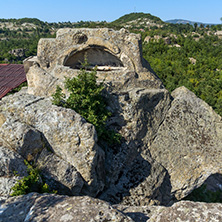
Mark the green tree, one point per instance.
(195, 26)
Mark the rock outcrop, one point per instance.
(134, 177)
(63, 145)
(18, 52)
(188, 143)
(12, 168)
(180, 211)
(136, 98)
(51, 207)
(32, 124)
(171, 143)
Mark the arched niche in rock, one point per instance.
(96, 56)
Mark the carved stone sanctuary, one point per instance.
(116, 54)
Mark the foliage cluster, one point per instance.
(14, 39)
(34, 21)
(174, 66)
(30, 183)
(201, 194)
(86, 99)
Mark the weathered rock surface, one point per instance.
(21, 137)
(181, 211)
(11, 165)
(189, 142)
(30, 124)
(50, 207)
(133, 177)
(75, 164)
(60, 175)
(136, 98)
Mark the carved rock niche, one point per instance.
(116, 54)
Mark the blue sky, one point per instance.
(207, 11)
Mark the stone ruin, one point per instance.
(117, 55)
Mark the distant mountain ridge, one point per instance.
(184, 21)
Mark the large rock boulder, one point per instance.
(181, 211)
(188, 143)
(50, 207)
(133, 176)
(29, 124)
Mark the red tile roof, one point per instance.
(11, 76)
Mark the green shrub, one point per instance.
(30, 183)
(201, 194)
(86, 99)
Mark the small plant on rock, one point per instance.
(30, 183)
(201, 194)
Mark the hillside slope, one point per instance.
(138, 20)
(184, 21)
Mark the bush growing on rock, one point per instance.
(86, 99)
(201, 194)
(30, 183)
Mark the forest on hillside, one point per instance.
(180, 54)
(191, 58)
